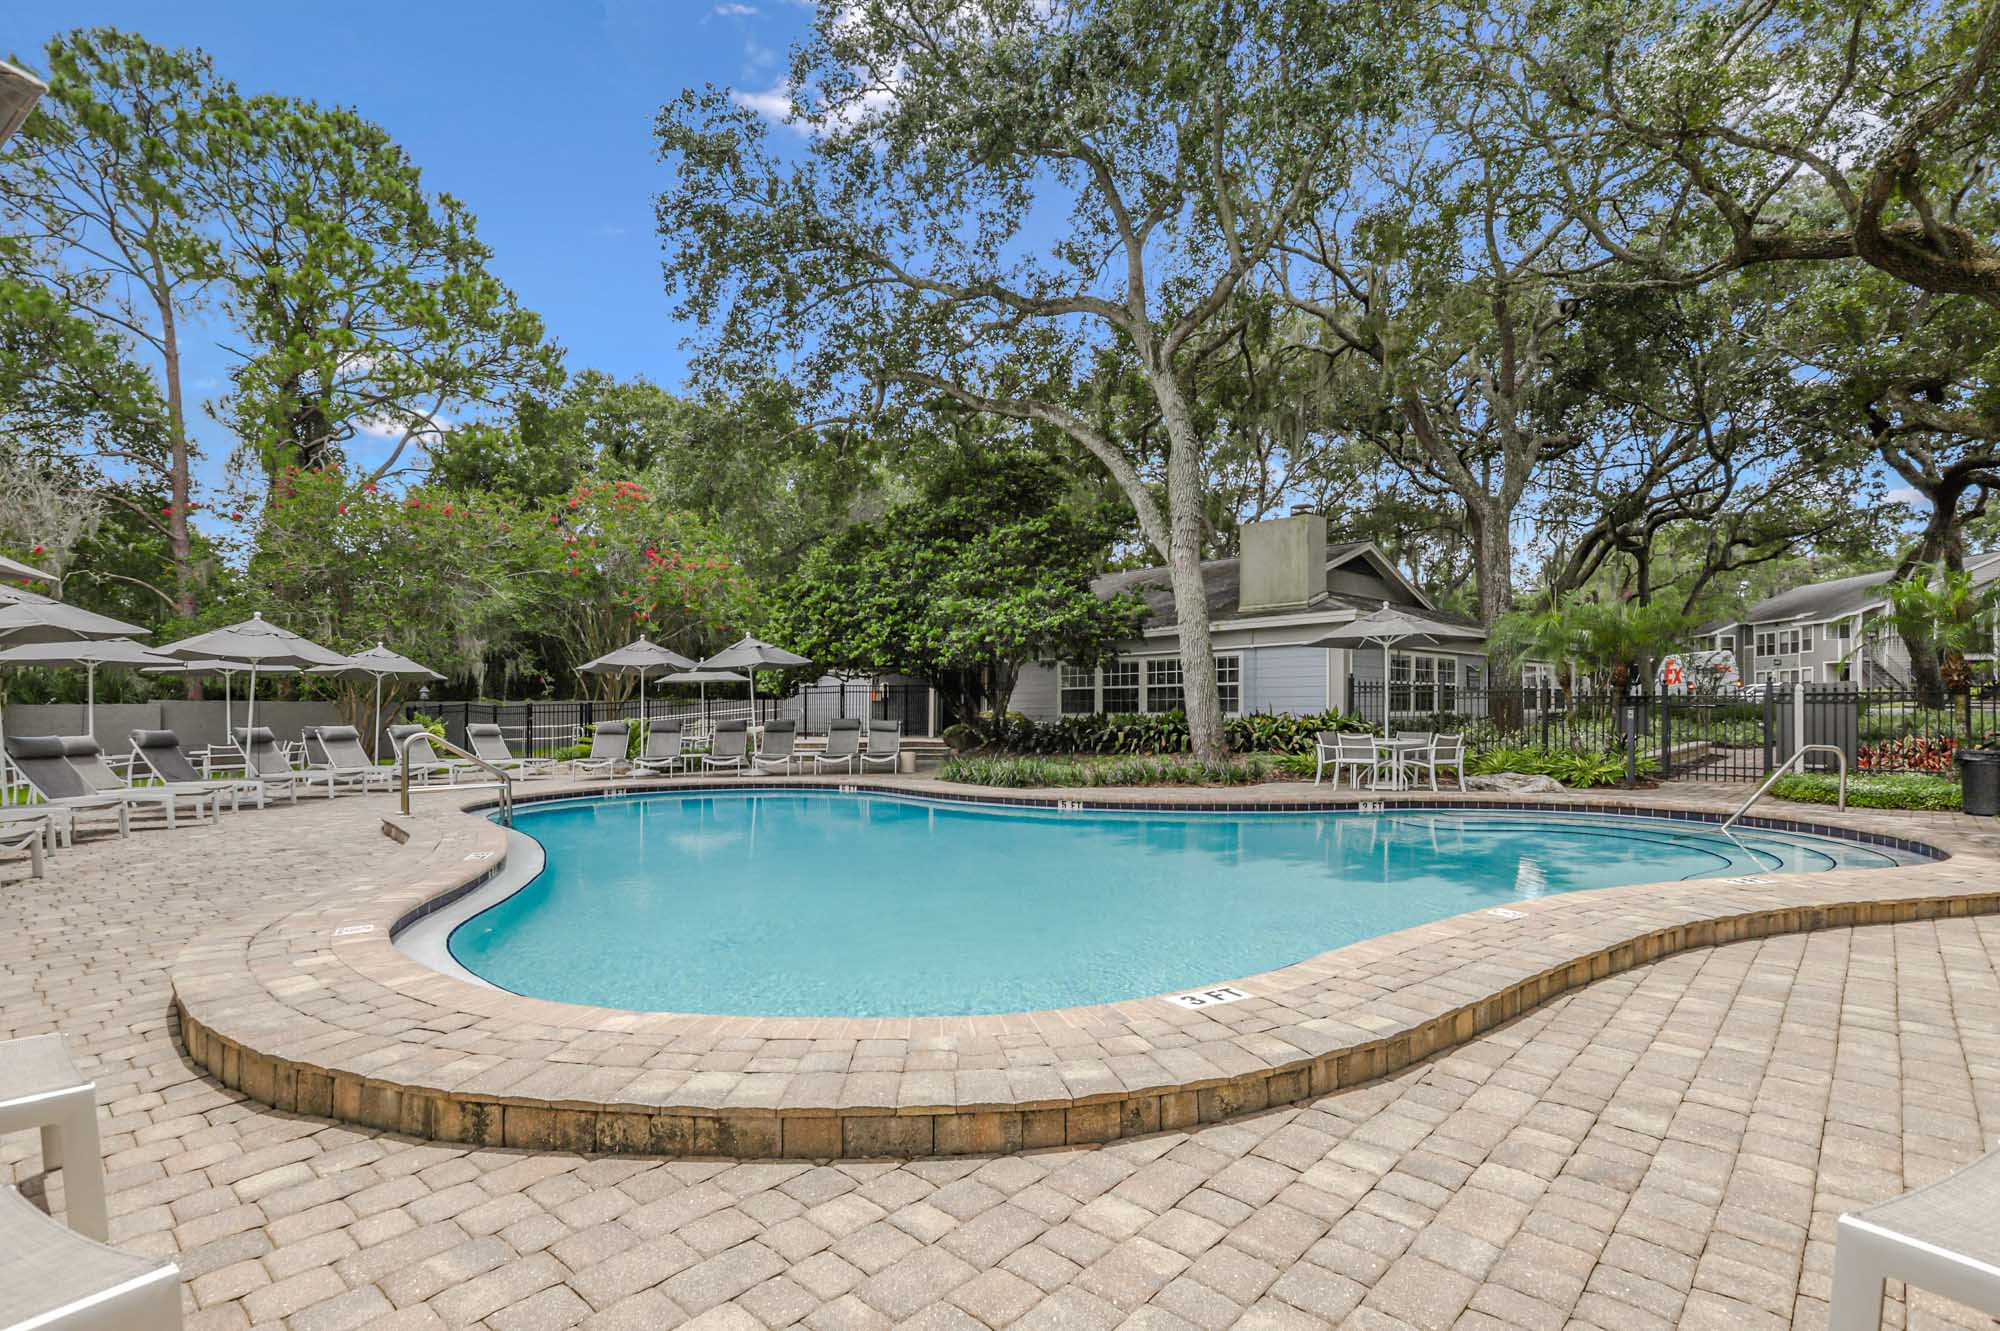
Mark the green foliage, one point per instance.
(1579, 769)
(1155, 733)
(988, 568)
(1605, 638)
(1939, 612)
(1031, 773)
(433, 724)
(1881, 791)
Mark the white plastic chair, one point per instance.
(1944, 1238)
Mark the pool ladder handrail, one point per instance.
(1787, 766)
(504, 779)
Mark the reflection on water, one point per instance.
(821, 903)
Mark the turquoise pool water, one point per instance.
(791, 903)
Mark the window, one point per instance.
(1421, 684)
(1121, 687)
(1767, 644)
(1423, 674)
(1805, 639)
(1163, 685)
(1447, 683)
(1844, 630)
(1079, 690)
(1229, 683)
(1399, 682)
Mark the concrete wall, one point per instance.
(197, 723)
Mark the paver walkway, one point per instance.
(1666, 1147)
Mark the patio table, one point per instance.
(1391, 751)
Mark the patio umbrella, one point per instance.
(378, 663)
(52, 621)
(704, 678)
(86, 655)
(209, 669)
(640, 657)
(14, 568)
(258, 643)
(19, 91)
(748, 653)
(1388, 627)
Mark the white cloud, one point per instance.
(733, 10)
(773, 104)
(1903, 494)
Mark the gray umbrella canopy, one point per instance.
(13, 595)
(378, 663)
(748, 653)
(14, 568)
(54, 622)
(19, 91)
(85, 655)
(1387, 627)
(258, 643)
(705, 677)
(641, 657)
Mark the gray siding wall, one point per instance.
(1035, 693)
(1288, 680)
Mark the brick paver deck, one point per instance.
(1666, 1146)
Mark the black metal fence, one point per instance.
(546, 727)
(1740, 736)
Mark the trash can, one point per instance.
(1980, 770)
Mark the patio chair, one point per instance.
(340, 752)
(39, 759)
(843, 746)
(55, 1279)
(885, 745)
(665, 752)
(41, 1088)
(87, 757)
(730, 748)
(1944, 1238)
(1446, 752)
(1343, 752)
(610, 741)
(160, 753)
(778, 753)
(490, 742)
(425, 761)
(265, 760)
(31, 835)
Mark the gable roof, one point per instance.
(1838, 597)
(1223, 580)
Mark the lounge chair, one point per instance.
(424, 760)
(41, 1088)
(1944, 1237)
(265, 761)
(885, 745)
(665, 753)
(731, 749)
(610, 741)
(51, 821)
(39, 759)
(160, 753)
(843, 746)
(54, 1279)
(778, 751)
(490, 742)
(87, 757)
(340, 752)
(31, 836)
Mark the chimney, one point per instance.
(1283, 563)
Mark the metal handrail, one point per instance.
(1787, 766)
(504, 778)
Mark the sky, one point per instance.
(539, 116)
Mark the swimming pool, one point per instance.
(825, 903)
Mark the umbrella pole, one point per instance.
(90, 700)
(375, 739)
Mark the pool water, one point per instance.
(795, 903)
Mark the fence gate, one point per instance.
(1698, 737)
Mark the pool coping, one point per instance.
(313, 1009)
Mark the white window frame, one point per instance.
(1073, 680)
(1231, 685)
(1176, 686)
(1423, 683)
(1137, 685)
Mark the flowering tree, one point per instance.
(627, 565)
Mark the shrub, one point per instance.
(1903, 790)
(1022, 773)
(1152, 733)
(1579, 769)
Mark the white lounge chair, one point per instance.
(264, 759)
(41, 1088)
(40, 761)
(1944, 1237)
(885, 745)
(1343, 752)
(425, 761)
(778, 753)
(32, 835)
(843, 746)
(665, 752)
(730, 748)
(610, 741)
(87, 757)
(340, 753)
(54, 1279)
(490, 742)
(160, 753)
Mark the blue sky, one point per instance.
(539, 116)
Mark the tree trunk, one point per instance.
(1184, 542)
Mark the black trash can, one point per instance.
(1980, 769)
